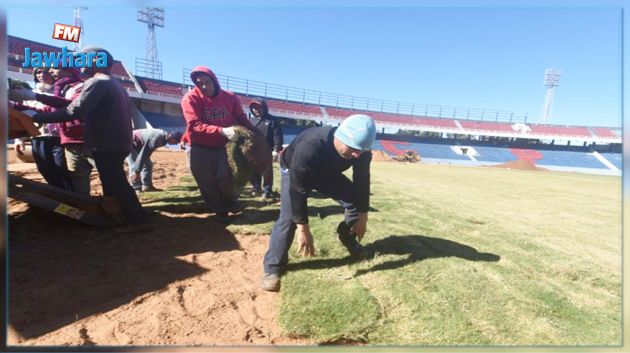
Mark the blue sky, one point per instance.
(442, 53)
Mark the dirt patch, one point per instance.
(380, 156)
(190, 282)
(522, 164)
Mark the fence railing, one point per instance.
(302, 95)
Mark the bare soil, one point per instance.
(521, 164)
(190, 282)
(380, 156)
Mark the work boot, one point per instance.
(236, 209)
(350, 242)
(222, 217)
(270, 282)
(149, 188)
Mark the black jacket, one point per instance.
(312, 160)
(268, 125)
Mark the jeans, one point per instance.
(51, 161)
(111, 171)
(339, 188)
(210, 168)
(267, 180)
(146, 171)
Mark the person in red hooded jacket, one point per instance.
(210, 114)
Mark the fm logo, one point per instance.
(66, 32)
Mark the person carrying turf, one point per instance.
(211, 114)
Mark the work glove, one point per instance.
(21, 94)
(229, 133)
(274, 154)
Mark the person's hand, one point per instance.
(11, 104)
(133, 177)
(360, 226)
(274, 154)
(19, 147)
(229, 133)
(305, 241)
(182, 145)
(21, 94)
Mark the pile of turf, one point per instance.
(250, 152)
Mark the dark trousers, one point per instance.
(111, 171)
(338, 188)
(267, 180)
(50, 160)
(211, 170)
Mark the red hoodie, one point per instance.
(206, 116)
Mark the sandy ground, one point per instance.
(189, 283)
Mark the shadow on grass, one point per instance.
(417, 247)
(62, 271)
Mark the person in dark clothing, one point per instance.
(145, 141)
(271, 129)
(105, 109)
(316, 160)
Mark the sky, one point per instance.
(457, 54)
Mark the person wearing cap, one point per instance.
(316, 160)
(271, 129)
(105, 109)
(210, 114)
(145, 141)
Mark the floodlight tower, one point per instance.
(153, 17)
(78, 22)
(552, 80)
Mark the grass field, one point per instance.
(461, 256)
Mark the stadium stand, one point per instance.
(486, 126)
(161, 88)
(603, 132)
(165, 122)
(570, 159)
(493, 154)
(300, 108)
(614, 158)
(565, 131)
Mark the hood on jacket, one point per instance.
(199, 70)
(261, 105)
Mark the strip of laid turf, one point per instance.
(461, 256)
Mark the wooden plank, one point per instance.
(21, 125)
(99, 211)
(89, 217)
